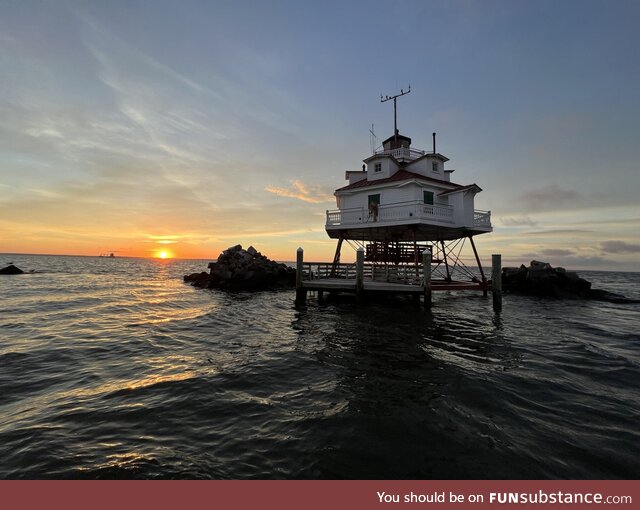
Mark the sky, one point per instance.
(190, 126)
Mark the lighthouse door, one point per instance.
(373, 202)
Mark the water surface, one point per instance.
(114, 368)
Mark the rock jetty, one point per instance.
(239, 269)
(11, 269)
(541, 279)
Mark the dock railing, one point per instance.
(407, 274)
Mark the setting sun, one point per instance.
(164, 254)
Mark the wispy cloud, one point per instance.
(275, 233)
(164, 239)
(301, 191)
(160, 105)
(551, 197)
(619, 247)
(156, 238)
(557, 252)
(517, 221)
(560, 232)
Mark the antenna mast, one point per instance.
(395, 116)
(372, 140)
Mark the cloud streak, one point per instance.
(301, 191)
(550, 198)
(619, 247)
(517, 221)
(557, 252)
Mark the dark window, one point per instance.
(428, 197)
(377, 167)
(434, 166)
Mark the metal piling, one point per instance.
(496, 281)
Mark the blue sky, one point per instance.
(131, 126)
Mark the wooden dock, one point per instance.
(343, 285)
(361, 279)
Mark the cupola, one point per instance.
(396, 141)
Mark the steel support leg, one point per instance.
(336, 257)
(484, 280)
(446, 262)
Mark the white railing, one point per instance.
(403, 153)
(481, 218)
(414, 210)
(318, 270)
(420, 210)
(347, 216)
(409, 274)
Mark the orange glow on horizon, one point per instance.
(125, 245)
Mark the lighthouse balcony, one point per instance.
(440, 219)
(402, 154)
(482, 219)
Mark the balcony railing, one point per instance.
(481, 218)
(392, 213)
(403, 153)
(403, 212)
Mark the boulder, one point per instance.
(541, 279)
(535, 265)
(197, 279)
(11, 269)
(238, 269)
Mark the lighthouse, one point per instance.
(405, 201)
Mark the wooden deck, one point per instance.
(349, 285)
(361, 279)
(344, 285)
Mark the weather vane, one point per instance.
(395, 116)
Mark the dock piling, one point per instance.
(301, 293)
(359, 273)
(496, 281)
(426, 269)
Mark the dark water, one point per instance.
(113, 368)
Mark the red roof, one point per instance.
(462, 188)
(400, 175)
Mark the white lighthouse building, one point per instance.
(404, 201)
(405, 194)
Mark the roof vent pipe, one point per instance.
(434, 143)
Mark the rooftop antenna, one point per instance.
(395, 116)
(372, 140)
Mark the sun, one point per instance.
(164, 254)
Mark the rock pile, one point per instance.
(11, 269)
(238, 269)
(540, 279)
